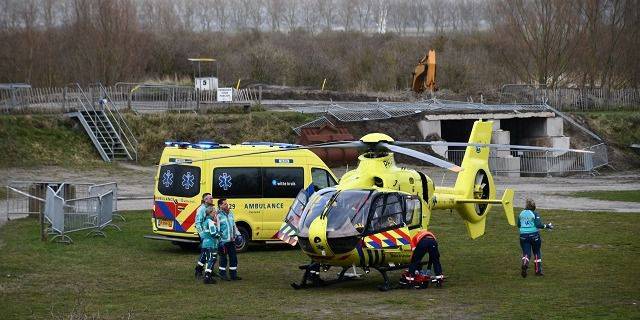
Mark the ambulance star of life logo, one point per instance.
(224, 181)
(167, 178)
(188, 180)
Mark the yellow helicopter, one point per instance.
(369, 218)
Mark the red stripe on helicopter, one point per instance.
(391, 240)
(404, 236)
(376, 243)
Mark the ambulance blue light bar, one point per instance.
(204, 145)
(271, 144)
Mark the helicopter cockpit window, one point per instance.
(314, 208)
(386, 213)
(346, 215)
(413, 213)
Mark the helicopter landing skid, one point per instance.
(386, 286)
(311, 277)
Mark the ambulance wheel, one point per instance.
(246, 237)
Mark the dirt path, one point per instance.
(135, 186)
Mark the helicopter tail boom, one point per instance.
(474, 191)
(506, 202)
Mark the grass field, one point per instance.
(623, 195)
(591, 265)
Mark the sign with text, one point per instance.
(225, 94)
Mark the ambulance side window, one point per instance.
(237, 183)
(321, 178)
(179, 180)
(282, 182)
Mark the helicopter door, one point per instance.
(386, 226)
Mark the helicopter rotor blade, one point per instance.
(421, 156)
(339, 144)
(490, 145)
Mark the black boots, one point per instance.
(525, 266)
(538, 264)
(198, 272)
(208, 278)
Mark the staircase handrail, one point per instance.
(110, 146)
(120, 122)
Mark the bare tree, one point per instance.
(275, 12)
(309, 17)
(291, 14)
(437, 14)
(255, 12)
(380, 14)
(536, 38)
(221, 14)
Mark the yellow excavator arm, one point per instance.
(424, 74)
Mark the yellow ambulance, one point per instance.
(259, 187)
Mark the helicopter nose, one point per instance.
(343, 244)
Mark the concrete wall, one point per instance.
(542, 130)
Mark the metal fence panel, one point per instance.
(533, 161)
(103, 188)
(105, 213)
(66, 207)
(53, 211)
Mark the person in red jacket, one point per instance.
(422, 243)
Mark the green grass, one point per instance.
(37, 140)
(591, 272)
(623, 195)
(31, 140)
(618, 127)
(226, 126)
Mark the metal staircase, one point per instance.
(105, 125)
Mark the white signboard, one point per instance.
(225, 94)
(206, 83)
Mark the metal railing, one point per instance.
(65, 216)
(92, 113)
(574, 99)
(536, 162)
(151, 97)
(27, 197)
(136, 96)
(128, 139)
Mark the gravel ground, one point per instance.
(135, 186)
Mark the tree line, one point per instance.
(355, 44)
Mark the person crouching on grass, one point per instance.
(210, 244)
